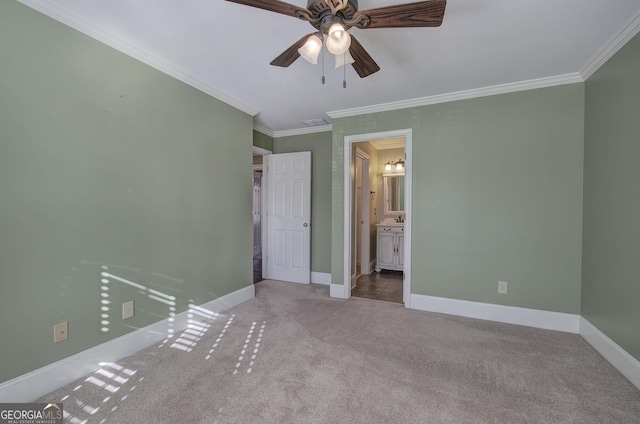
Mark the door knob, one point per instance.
(305, 225)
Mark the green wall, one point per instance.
(106, 162)
(319, 144)
(611, 237)
(497, 195)
(262, 140)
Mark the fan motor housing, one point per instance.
(319, 9)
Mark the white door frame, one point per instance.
(348, 205)
(263, 198)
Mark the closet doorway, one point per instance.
(258, 236)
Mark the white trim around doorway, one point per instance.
(263, 199)
(344, 292)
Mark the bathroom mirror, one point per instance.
(393, 193)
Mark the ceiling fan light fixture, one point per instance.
(333, 18)
(344, 59)
(338, 39)
(311, 48)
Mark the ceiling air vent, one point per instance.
(315, 122)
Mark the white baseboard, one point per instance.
(372, 266)
(35, 384)
(548, 320)
(612, 352)
(338, 291)
(321, 278)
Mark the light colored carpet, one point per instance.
(294, 355)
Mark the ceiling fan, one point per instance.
(333, 18)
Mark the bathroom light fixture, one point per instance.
(397, 165)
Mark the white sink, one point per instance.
(387, 222)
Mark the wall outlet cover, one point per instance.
(127, 310)
(502, 287)
(60, 332)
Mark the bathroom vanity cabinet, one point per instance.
(390, 253)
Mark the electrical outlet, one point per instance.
(60, 332)
(502, 287)
(127, 310)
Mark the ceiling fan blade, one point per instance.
(272, 6)
(290, 55)
(420, 14)
(364, 64)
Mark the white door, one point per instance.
(288, 217)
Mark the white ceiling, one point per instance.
(482, 47)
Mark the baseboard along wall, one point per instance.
(611, 351)
(321, 278)
(549, 320)
(35, 384)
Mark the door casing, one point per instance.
(348, 208)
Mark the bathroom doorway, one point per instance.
(402, 243)
(381, 278)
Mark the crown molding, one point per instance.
(264, 130)
(63, 16)
(616, 43)
(388, 143)
(301, 131)
(288, 133)
(462, 95)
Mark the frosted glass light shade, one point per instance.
(311, 48)
(338, 40)
(344, 59)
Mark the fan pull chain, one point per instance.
(344, 69)
(322, 65)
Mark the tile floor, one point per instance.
(383, 285)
